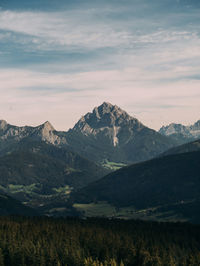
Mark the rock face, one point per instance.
(110, 133)
(195, 129)
(181, 133)
(108, 120)
(47, 133)
(3, 125)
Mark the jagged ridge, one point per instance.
(181, 132)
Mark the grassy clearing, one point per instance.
(112, 165)
(34, 196)
(34, 189)
(66, 190)
(21, 188)
(103, 209)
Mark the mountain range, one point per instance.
(106, 134)
(182, 134)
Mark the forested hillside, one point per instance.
(97, 242)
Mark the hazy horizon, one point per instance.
(66, 129)
(60, 59)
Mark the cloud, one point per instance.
(46, 30)
(76, 29)
(141, 75)
(58, 65)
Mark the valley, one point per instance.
(108, 165)
(99, 133)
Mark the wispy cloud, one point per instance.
(46, 30)
(80, 29)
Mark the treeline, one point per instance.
(97, 242)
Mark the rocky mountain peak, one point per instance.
(46, 131)
(104, 108)
(47, 126)
(106, 105)
(109, 123)
(105, 115)
(108, 108)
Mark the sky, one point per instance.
(60, 59)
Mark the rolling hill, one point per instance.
(188, 147)
(166, 186)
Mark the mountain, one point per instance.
(163, 187)
(109, 133)
(181, 133)
(10, 206)
(10, 135)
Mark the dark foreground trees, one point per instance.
(96, 242)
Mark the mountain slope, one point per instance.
(181, 133)
(43, 175)
(109, 133)
(39, 162)
(188, 147)
(170, 183)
